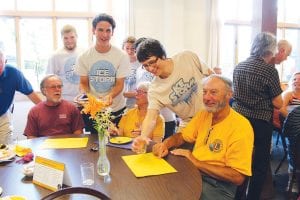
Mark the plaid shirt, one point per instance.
(255, 84)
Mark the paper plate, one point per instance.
(6, 154)
(120, 140)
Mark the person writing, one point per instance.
(176, 85)
(11, 80)
(222, 138)
(54, 116)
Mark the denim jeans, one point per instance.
(216, 189)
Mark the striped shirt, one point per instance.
(255, 84)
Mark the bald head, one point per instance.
(284, 49)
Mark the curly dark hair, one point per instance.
(150, 47)
(104, 17)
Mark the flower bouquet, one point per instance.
(101, 115)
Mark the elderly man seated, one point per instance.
(223, 142)
(54, 116)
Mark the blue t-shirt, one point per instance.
(12, 80)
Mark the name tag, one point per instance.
(62, 116)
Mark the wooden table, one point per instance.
(185, 184)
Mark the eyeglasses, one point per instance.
(150, 63)
(207, 135)
(140, 92)
(53, 87)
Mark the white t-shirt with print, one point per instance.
(182, 91)
(143, 75)
(62, 63)
(103, 69)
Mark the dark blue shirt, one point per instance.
(12, 80)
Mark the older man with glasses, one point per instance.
(54, 116)
(176, 85)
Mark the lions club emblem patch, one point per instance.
(216, 146)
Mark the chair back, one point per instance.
(291, 125)
(76, 190)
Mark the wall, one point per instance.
(178, 24)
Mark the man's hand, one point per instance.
(182, 152)
(108, 99)
(160, 150)
(139, 142)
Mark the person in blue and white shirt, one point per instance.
(62, 62)
(11, 80)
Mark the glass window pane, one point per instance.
(8, 38)
(227, 51)
(81, 26)
(71, 5)
(244, 42)
(245, 10)
(228, 9)
(7, 5)
(34, 5)
(292, 11)
(236, 10)
(99, 6)
(280, 10)
(36, 47)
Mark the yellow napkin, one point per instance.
(21, 151)
(65, 143)
(13, 197)
(147, 165)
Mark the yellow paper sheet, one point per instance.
(147, 165)
(65, 143)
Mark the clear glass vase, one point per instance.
(103, 165)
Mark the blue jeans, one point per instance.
(216, 189)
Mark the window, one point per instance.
(236, 34)
(71, 6)
(288, 20)
(32, 29)
(36, 46)
(8, 39)
(34, 5)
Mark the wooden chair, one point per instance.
(76, 190)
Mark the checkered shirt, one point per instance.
(255, 84)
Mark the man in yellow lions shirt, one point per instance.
(223, 142)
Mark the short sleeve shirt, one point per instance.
(255, 84)
(12, 80)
